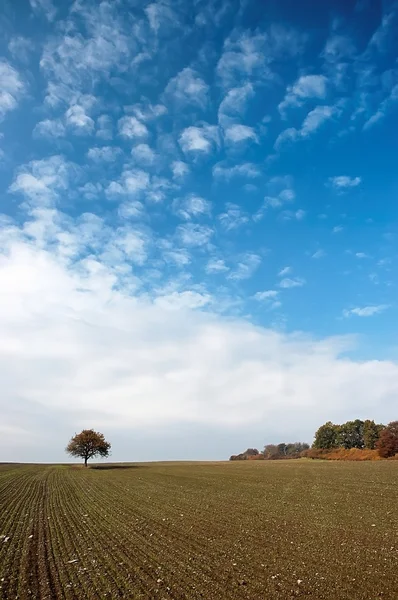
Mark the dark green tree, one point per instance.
(326, 436)
(296, 448)
(350, 434)
(371, 433)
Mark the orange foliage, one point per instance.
(343, 454)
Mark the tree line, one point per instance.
(273, 452)
(363, 435)
(359, 434)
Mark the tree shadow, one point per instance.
(115, 466)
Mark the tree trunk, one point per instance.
(85, 461)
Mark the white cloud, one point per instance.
(21, 48)
(132, 183)
(11, 88)
(385, 32)
(192, 234)
(104, 153)
(235, 102)
(41, 181)
(91, 191)
(131, 127)
(312, 122)
(104, 127)
(179, 169)
(249, 56)
(267, 295)
(177, 256)
(361, 255)
(222, 171)
(280, 191)
(285, 271)
(246, 265)
(143, 155)
(288, 282)
(310, 86)
(287, 136)
(44, 6)
(315, 118)
(375, 118)
(366, 311)
(216, 265)
(203, 139)
(191, 206)
(145, 111)
(77, 119)
(337, 229)
(307, 86)
(338, 48)
(50, 129)
(233, 217)
(289, 215)
(92, 45)
(344, 182)
(187, 88)
(318, 254)
(161, 17)
(239, 133)
(183, 300)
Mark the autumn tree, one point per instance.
(387, 444)
(87, 444)
(326, 436)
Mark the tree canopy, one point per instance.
(87, 444)
(387, 444)
(352, 434)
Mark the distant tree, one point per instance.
(387, 444)
(271, 451)
(245, 455)
(296, 448)
(326, 436)
(292, 450)
(282, 449)
(350, 434)
(87, 444)
(371, 433)
(251, 452)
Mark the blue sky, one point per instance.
(198, 222)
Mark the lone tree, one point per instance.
(87, 444)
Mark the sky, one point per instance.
(198, 223)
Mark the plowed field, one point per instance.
(249, 530)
